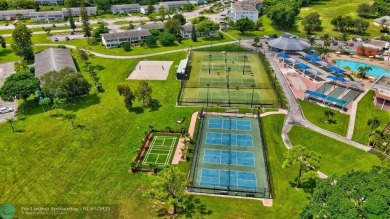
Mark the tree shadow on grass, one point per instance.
(137, 109)
(5, 52)
(307, 187)
(83, 102)
(190, 207)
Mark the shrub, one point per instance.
(126, 46)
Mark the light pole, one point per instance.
(243, 69)
(207, 100)
(209, 62)
(253, 92)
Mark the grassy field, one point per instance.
(328, 9)
(364, 112)
(336, 157)
(61, 165)
(315, 114)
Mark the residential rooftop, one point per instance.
(53, 59)
(126, 34)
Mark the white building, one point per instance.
(171, 5)
(47, 16)
(249, 9)
(76, 11)
(49, 2)
(124, 9)
(385, 21)
(186, 31)
(113, 40)
(15, 14)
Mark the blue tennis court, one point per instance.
(229, 157)
(230, 124)
(228, 179)
(229, 139)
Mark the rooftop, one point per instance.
(151, 26)
(375, 43)
(288, 42)
(53, 59)
(241, 6)
(126, 6)
(125, 34)
(385, 18)
(173, 3)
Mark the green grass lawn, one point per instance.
(61, 165)
(331, 9)
(315, 114)
(336, 157)
(364, 112)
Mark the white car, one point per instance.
(6, 110)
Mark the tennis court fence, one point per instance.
(225, 84)
(228, 103)
(256, 193)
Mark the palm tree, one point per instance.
(363, 71)
(45, 101)
(373, 123)
(71, 117)
(344, 37)
(57, 102)
(328, 113)
(312, 40)
(11, 122)
(323, 51)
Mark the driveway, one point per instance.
(6, 69)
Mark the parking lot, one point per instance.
(6, 69)
(66, 36)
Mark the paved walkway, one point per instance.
(280, 111)
(191, 130)
(352, 115)
(136, 56)
(295, 115)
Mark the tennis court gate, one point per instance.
(257, 193)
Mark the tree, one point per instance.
(64, 84)
(193, 34)
(85, 21)
(259, 23)
(154, 32)
(344, 37)
(57, 103)
(339, 23)
(44, 102)
(173, 26)
(207, 26)
(311, 22)
(3, 44)
(144, 93)
(381, 7)
(71, 3)
(283, 14)
(98, 31)
(166, 39)
(373, 123)
(169, 187)
(328, 114)
(151, 41)
(323, 51)
(72, 24)
(11, 122)
(20, 66)
(126, 46)
(363, 70)
(4, 5)
(71, 117)
(188, 7)
(357, 194)
(131, 26)
(162, 13)
(104, 5)
(256, 40)
(364, 10)
(150, 8)
(19, 85)
(125, 91)
(21, 42)
(306, 161)
(361, 25)
(244, 24)
(181, 18)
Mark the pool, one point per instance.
(376, 71)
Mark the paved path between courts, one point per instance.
(136, 56)
(191, 130)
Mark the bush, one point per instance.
(92, 41)
(61, 46)
(167, 39)
(126, 46)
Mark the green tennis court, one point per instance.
(228, 78)
(160, 150)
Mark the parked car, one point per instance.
(351, 44)
(56, 39)
(72, 33)
(6, 110)
(67, 38)
(335, 43)
(6, 24)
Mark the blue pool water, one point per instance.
(376, 71)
